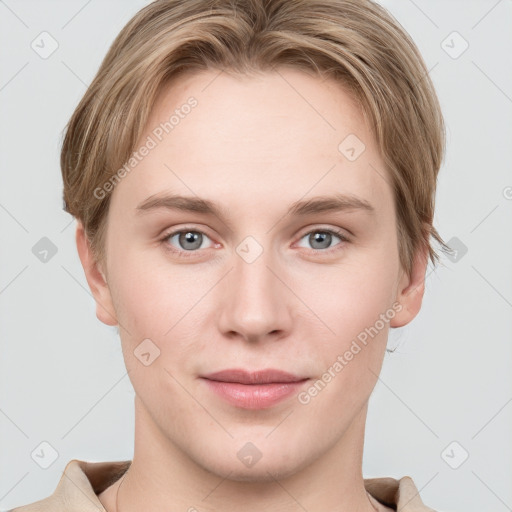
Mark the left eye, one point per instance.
(322, 238)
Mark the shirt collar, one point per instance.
(82, 481)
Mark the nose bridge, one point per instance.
(255, 302)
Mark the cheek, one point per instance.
(356, 293)
(156, 299)
(137, 299)
(155, 316)
(357, 306)
(137, 302)
(359, 314)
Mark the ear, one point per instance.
(411, 289)
(95, 278)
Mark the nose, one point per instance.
(254, 299)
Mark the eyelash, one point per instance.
(188, 254)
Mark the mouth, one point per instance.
(254, 390)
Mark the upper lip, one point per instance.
(253, 377)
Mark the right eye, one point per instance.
(187, 239)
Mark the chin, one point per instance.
(260, 472)
(264, 466)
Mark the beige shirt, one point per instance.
(82, 482)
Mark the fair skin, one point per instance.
(254, 145)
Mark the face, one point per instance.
(283, 256)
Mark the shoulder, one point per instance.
(398, 494)
(78, 488)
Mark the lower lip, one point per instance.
(254, 396)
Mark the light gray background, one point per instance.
(62, 376)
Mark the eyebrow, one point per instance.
(319, 204)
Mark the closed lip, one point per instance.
(241, 376)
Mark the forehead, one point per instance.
(278, 109)
(240, 137)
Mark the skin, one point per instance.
(255, 144)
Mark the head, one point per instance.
(254, 186)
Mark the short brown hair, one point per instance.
(356, 42)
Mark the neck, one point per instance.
(162, 474)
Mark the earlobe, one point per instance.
(95, 278)
(411, 290)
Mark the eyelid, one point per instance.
(335, 230)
